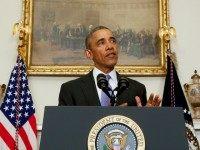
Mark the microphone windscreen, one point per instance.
(102, 82)
(123, 83)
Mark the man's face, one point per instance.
(103, 50)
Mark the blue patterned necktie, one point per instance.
(105, 100)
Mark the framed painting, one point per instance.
(57, 30)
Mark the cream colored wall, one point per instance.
(184, 17)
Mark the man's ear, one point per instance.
(88, 54)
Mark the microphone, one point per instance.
(102, 83)
(123, 84)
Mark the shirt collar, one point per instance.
(112, 74)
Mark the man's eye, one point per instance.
(100, 42)
(113, 41)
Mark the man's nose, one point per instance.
(110, 46)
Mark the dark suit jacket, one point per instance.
(83, 92)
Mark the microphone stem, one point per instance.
(112, 99)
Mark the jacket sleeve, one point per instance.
(65, 97)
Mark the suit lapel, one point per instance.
(89, 89)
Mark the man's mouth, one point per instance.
(111, 55)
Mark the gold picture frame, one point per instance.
(52, 29)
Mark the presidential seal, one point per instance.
(116, 132)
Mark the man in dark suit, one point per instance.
(102, 49)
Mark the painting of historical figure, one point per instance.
(59, 29)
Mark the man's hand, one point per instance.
(154, 101)
(124, 104)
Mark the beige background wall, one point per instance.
(184, 17)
